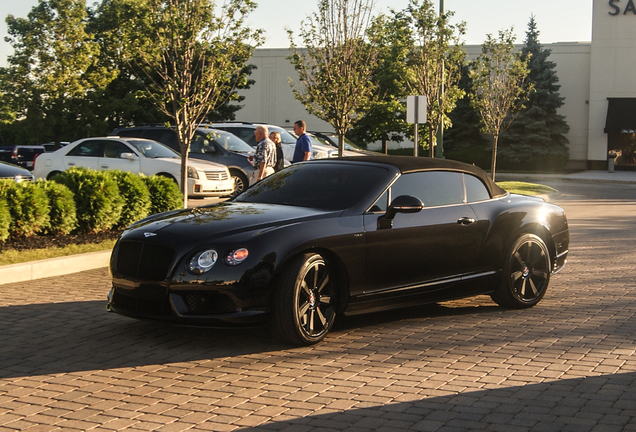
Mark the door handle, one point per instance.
(465, 220)
(71, 164)
(104, 166)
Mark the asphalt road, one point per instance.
(568, 364)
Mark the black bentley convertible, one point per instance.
(339, 236)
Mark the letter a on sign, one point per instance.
(416, 109)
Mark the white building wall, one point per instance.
(612, 71)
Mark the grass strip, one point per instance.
(524, 188)
(12, 256)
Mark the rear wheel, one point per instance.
(303, 309)
(526, 273)
(52, 174)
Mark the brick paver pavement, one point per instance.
(567, 364)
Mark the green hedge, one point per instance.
(97, 199)
(82, 200)
(164, 194)
(29, 209)
(135, 195)
(63, 213)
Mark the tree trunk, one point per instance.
(385, 149)
(495, 138)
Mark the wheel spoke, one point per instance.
(302, 311)
(522, 289)
(534, 288)
(323, 283)
(311, 321)
(322, 318)
(305, 288)
(540, 273)
(528, 246)
(326, 300)
(518, 258)
(516, 275)
(316, 271)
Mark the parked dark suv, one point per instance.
(208, 144)
(21, 155)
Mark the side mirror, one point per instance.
(401, 204)
(129, 156)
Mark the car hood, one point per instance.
(221, 220)
(198, 164)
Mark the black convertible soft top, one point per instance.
(408, 164)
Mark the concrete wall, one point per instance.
(612, 70)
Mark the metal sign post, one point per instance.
(416, 114)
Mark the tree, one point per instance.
(435, 62)
(52, 70)
(499, 86)
(537, 137)
(385, 118)
(194, 61)
(336, 66)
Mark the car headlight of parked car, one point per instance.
(192, 173)
(236, 257)
(203, 261)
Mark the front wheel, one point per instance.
(526, 273)
(303, 309)
(240, 182)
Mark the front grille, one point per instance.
(208, 303)
(158, 307)
(217, 175)
(144, 261)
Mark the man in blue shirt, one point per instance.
(303, 150)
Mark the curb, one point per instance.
(33, 270)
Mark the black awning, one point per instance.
(621, 115)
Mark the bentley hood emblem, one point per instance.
(149, 234)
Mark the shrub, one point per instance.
(164, 194)
(97, 198)
(62, 214)
(135, 194)
(29, 209)
(5, 216)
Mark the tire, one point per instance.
(240, 182)
(304, 301)
(52, 174)
(526, 273)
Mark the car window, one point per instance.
(229, 141)
(285, 136)
(153, 149)
(434, 188)
(316, 185)
(165, 136)
(88, 148)
(202, 144)
(475, 189)
(114, 149)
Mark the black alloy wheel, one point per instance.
(304, 310)
(526, 273)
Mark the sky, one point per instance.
(557, 20)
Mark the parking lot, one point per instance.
(567, 364)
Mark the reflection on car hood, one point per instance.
(222, 219)
(199, 164)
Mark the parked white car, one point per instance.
(139, 156)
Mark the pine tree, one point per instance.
(536, 139)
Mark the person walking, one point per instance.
(280, 157)
(303, 149)
(265, 156)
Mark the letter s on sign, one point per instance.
(617, 10)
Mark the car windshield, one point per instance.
(229, 141)
(153, 149)
(348, 145)
(325, 186)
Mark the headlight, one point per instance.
(192, 173)
(236, 256)
(203, 261)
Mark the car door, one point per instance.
(112, 158)
(85, 154)
(425, 250)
